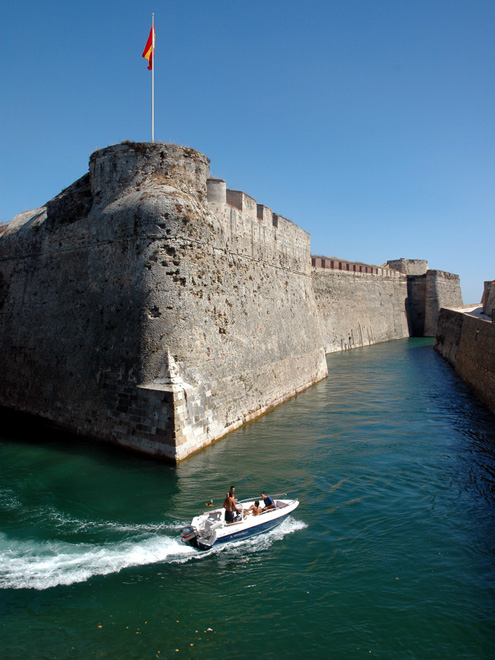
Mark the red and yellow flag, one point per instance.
(149, 50)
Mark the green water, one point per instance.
(390, 553)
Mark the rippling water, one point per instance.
(390, 554)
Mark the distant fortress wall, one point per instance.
(333, 263)
(150, 306)
(362, 304)
(359, 309)
(441, 290)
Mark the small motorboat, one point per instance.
(210, 528)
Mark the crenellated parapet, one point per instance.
(255, 231)
(362, 304)
(351, 267)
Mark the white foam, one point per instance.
(35, 565)
(30, 564)
(48, 515)
(8, 500)
(264, 541)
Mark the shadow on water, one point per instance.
(32, 430)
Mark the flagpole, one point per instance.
(153, 80)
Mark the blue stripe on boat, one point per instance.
(245, 533)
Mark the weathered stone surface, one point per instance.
(134, 312)
(467, 342)
(360, 309)
(409, 266)
(488, 299)
(441, 290)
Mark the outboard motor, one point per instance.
(189, 535)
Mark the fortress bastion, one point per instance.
(135, 310)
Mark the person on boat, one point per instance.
(269, 503)
(230, 508)
(255, 509)
(232, 493)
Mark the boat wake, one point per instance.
(35, 564)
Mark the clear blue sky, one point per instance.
(369, 123)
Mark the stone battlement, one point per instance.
(256, 231)
(333, 263)
(409, 266)
(219, 194)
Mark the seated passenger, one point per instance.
(269, 503)
(256, 509)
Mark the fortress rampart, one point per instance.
(254, 231)
(361, 304)
(150, 306)
(359, 309)
(466, 340)
(333, 263)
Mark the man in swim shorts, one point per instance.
(230, 507)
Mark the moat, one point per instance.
(389, 555)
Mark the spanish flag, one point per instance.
(149, 50)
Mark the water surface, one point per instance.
(390, 554)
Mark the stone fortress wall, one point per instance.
(150, 306)
(134, 312)
(488, 298)
(359, 309)
(465, 338)
(334, 263)
(362, 304)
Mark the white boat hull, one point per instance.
(210, 528)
